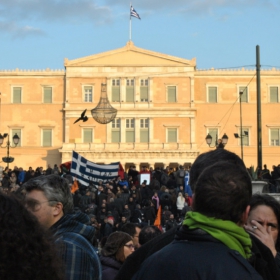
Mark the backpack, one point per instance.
(181, 173)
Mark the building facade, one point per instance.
(166, 107)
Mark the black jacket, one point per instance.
(196, 255)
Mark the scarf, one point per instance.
(232, 235)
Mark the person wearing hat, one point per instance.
(117, 248)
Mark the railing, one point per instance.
(125, 146)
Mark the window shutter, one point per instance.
(144, 94)
(171, 94)
(172, 135)
(144, 136)
(244, 96)
(87, 135)
(116, 94)
(129, 136)
(212, 95)
(245, 139)
(116, 137)
(47, 138)
(16, 95)
(274, 94)
(129, 94)
(47, 95)
(214, 133)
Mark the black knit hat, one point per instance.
(114, 242)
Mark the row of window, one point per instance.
(17, 95)
(46, 137)
(212, 94)
(129, 132)
(171, 93)
(129, 96)
(88, 91)
(171, 134)
(245, 134)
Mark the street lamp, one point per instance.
(219, 143)
(236, 135)
(16, 139)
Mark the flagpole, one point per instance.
(130, 23)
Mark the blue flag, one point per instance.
(87, 172)
(133, 13)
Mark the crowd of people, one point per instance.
(128, 228)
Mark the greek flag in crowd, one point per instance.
(133, 13)
(87, 172)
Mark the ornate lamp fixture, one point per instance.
(219, 143)
(16, 139)
(104, 112)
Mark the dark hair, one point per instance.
(129, 228)
(270, 201)
(114, 245)
(147, 233)
(55, 188)
(206, 159)
(26, 249)
(223, 190)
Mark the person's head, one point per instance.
(24, 244)
(133, 230)
(119, 245)
(147, 233)
(206, 159)
(179, 194)
(124, 219)
(265, 209)
(48, 198)
(171, 217)
(223, 191)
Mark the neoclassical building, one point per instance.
(166, 107)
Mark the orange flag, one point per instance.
(157, 222)
(75, 186)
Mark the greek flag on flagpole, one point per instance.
(133, 13)
(87, 172)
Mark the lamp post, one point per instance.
(16, 139)
(236, 135)
(219, 143)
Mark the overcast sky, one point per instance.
(39, 34)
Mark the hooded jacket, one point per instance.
(73, 239)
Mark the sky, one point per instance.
(39, 34)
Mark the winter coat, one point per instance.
(110, 268)
(73, 239)
(202, 257)
(180, 202)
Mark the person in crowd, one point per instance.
(214, 231)
(264, 221)
(149, 212)
(148, 233)
(188, 199)
(118, 247)
(26, 249)
(171, 223)
(133, 230)
(50, 200)
(180, 203)
(180, 176)
(155, 200)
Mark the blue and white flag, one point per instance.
(133, 13)
(87, 172)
